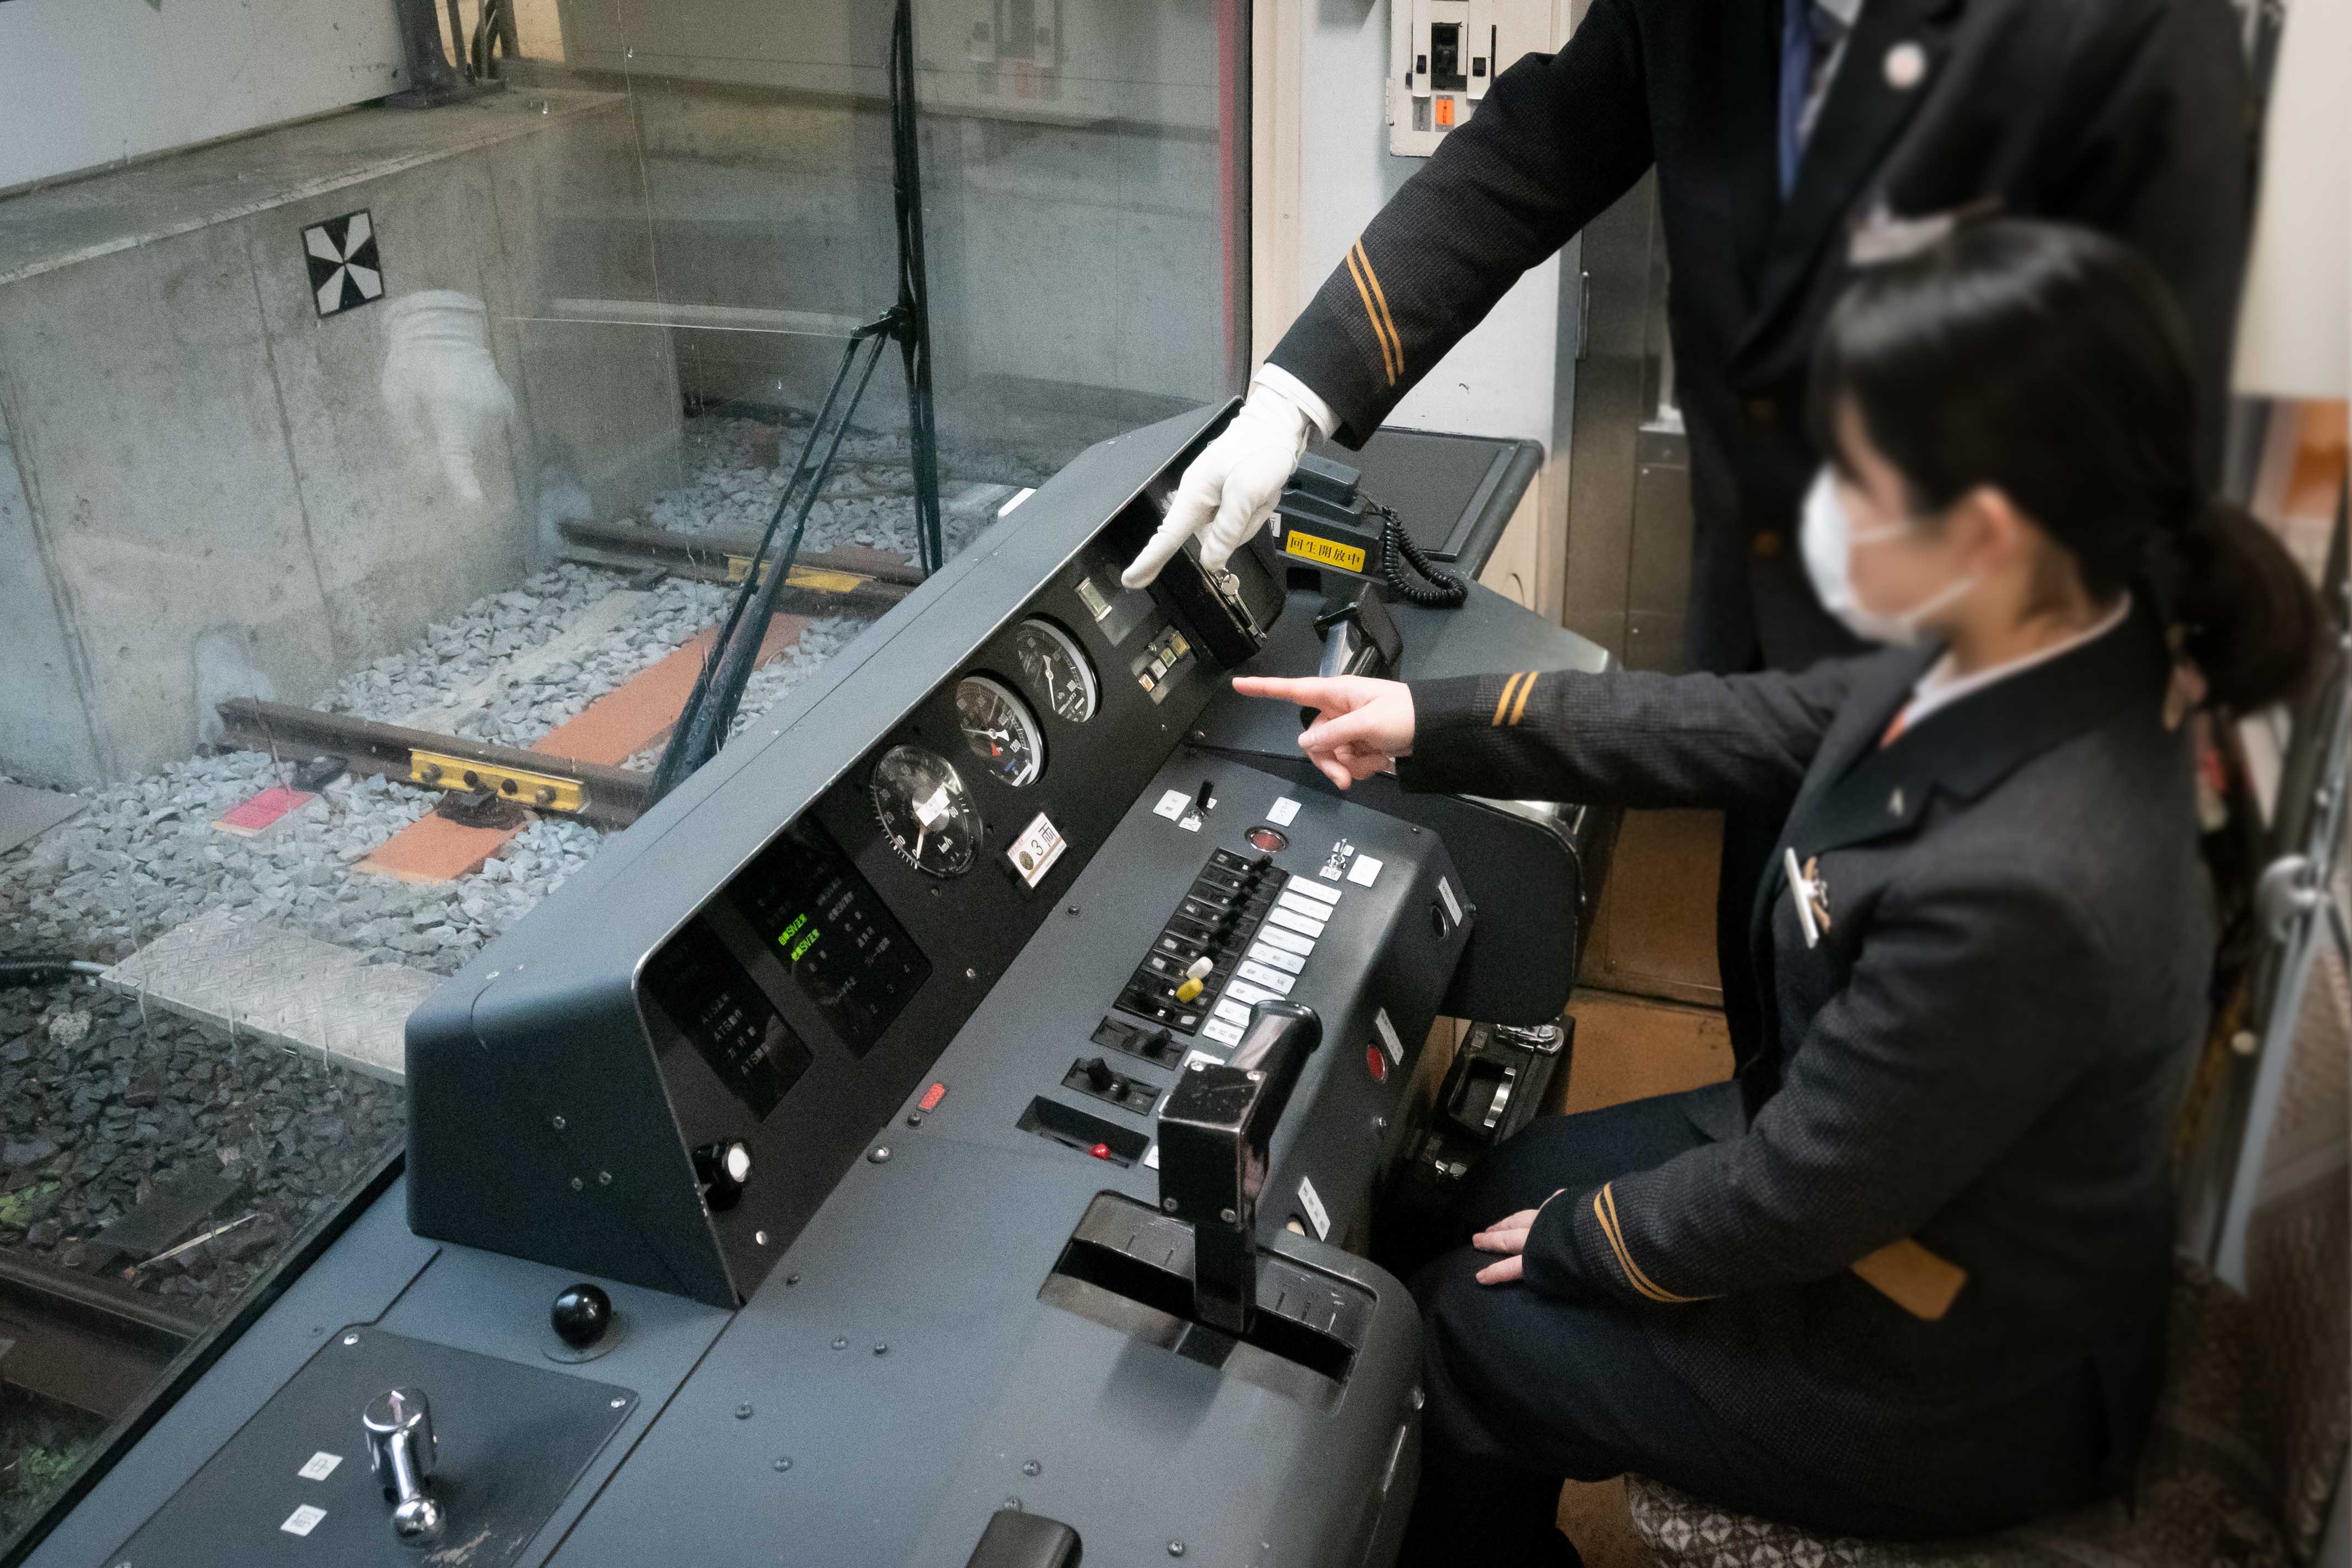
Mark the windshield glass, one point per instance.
(376, 481)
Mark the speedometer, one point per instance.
(1056, 669)
(925, 811)
(999, 729)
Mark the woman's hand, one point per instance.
(1363, 725)
(1507, 1236)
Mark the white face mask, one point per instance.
(1828, 539)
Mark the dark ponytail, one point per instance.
(2053, 363)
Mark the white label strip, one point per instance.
(1306, 906)
(1233, 1011)
(1445, 895)
(1365, 869)
(1290, 941)
(321, 1466)
(1283, 812)
(1292, 920)
(1389, 1036)
(1317, 1214)
(1222, 1033)
(1171, 805)
(1257, 974)
(1275, 957)
(303, 1519)
(1243, 992)
(1313, 890)
(1040, 845)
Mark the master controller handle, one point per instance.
(582, 1315)
(1214, 1128)
(401, 1454)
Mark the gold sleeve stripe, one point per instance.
(1521, 706)
(1503, 704)
(1381, 298)
(1605, 1208)
(1364, 293)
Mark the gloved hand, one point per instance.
(441, 383)
(1231, 486)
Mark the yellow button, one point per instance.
(1188, 990)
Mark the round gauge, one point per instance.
(1058, 670)
(1000, 729)
(925, 812)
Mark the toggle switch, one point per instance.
(1095, 1076)
(401, 1454)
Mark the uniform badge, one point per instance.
(1811, 894)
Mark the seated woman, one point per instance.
(1907, 1276)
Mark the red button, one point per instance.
(1379, 1063)
(932, 1097)
(1100, 1151)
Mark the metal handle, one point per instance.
(401, 1454)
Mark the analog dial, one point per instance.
(1058, 670)
(925, 811)
(999, 729)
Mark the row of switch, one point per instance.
(1274, 960)
(1195, 952)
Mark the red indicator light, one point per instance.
(932, 1097)
(1100, 1151)
(1377, 1062)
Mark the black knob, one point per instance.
(1099, 1074)
(581, 1316)
(723, 1168)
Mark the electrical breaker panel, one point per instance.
(1443, 54)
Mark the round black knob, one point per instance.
(723, 1168)
(1099, 1075)
(581, 1316)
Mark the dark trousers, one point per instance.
(1523, 1390)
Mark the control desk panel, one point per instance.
(947, 1128)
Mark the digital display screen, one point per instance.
(697, 981)
(843, 949)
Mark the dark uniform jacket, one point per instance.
(1976, 1066)
(2130, 116)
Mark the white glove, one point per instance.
(1231, 486)
(441, 383)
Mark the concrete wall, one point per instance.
(88, 82)
(197, 460)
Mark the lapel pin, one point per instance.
(1894, 801)
(1906, 66)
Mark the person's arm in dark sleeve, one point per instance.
(1628, 738)
(1556, 140)
(2157, 149)
(1966, 1019)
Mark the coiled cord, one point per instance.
(1448, 589)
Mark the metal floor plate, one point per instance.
(280, 990)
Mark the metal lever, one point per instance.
(401, 1454)
(1214, 1128)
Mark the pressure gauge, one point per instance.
(925, 811)
(1000, 730)
(1058, 670)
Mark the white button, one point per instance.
(1259, 974)
(1290, 919)
(1219, 1029)
(1365, 869)
(1232, 1011)
(1313, 890)
(1243, 991)
(1282, 812)
(1274, 957)
(1306, 906)
(1289, 941)
(1171, 805)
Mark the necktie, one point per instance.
(1813, 42)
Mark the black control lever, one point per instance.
(1214, 1132)
(1358, 639)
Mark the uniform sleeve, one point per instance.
(1555, 140)
(1627, 737)
(1973, 1008)
(2158, 151)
